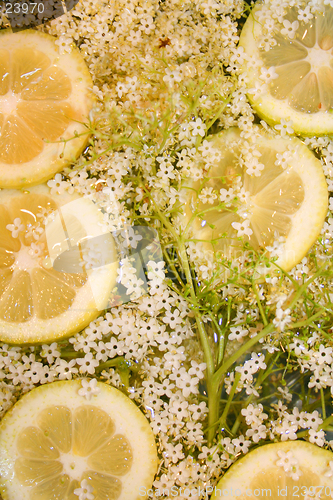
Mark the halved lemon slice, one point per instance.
(299, 50)
(271, 192)
(55, 444)
(45, 97)
(39, 302)
(289, 470)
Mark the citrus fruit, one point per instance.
(56, 442)
(291, 469)
(291, 65)
(271, 192)
(38, 302)
(45, 97)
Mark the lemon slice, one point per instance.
(274, 193)
(300, 51)
(292, 469)
(39, 303)
(55, 442)
(44, 96)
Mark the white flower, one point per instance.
(285, 127)
(16, 228)
(237, 333)
(85, 491)
(287, 460)
(89, 388)
(198, 127)
(131, 238)
(286, 430)
(36, 250)
(290, 29)
(305, 15)
(317, 437)
(57, 185)
(242, 228)
(241, 444)
(282, 318)
(257, 433)
(226, 196)
(268, 74)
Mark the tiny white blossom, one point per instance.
(85, 492)
(289, 28)
(89, 388)
(16, 228)
(242, 228)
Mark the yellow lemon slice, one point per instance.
(271, 192)
(38, 301)
(65, 439)
(290, 68)
(45, 97)
(291, 469)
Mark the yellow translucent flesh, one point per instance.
(54, 84)
(30, 471)
(92, 428)
(265, 225)
(305, 91)
(27, 67)
(306, 32)
(290, 75)
(70, 493)
(276, 480)
(284, 194)
(87, 431)
(72, 280)
(4, 72)
(325, 27)
(325, 80)
(18, 143)
(52, 297)
(55, 422)
(44, 292)
(105, 487)
(305, 96)
(48, 120)
(7, 258)
(29, 209)
(28, 72)
(32, 442)
(275, 195)
(5, 279)
(285, 51)
(53, 489)
(16, 303)
(115, 457)
(255, 184)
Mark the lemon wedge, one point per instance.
(290, 69)
(66, 437)
(39, 303)
(45, 99)
(271, 192)
(291, 469)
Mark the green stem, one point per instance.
(242, 350)
(224, 415)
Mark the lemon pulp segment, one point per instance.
(37, 302)
(54, 438)
(301, 90)
(284, 201)
(45, 98)
(279, 470)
